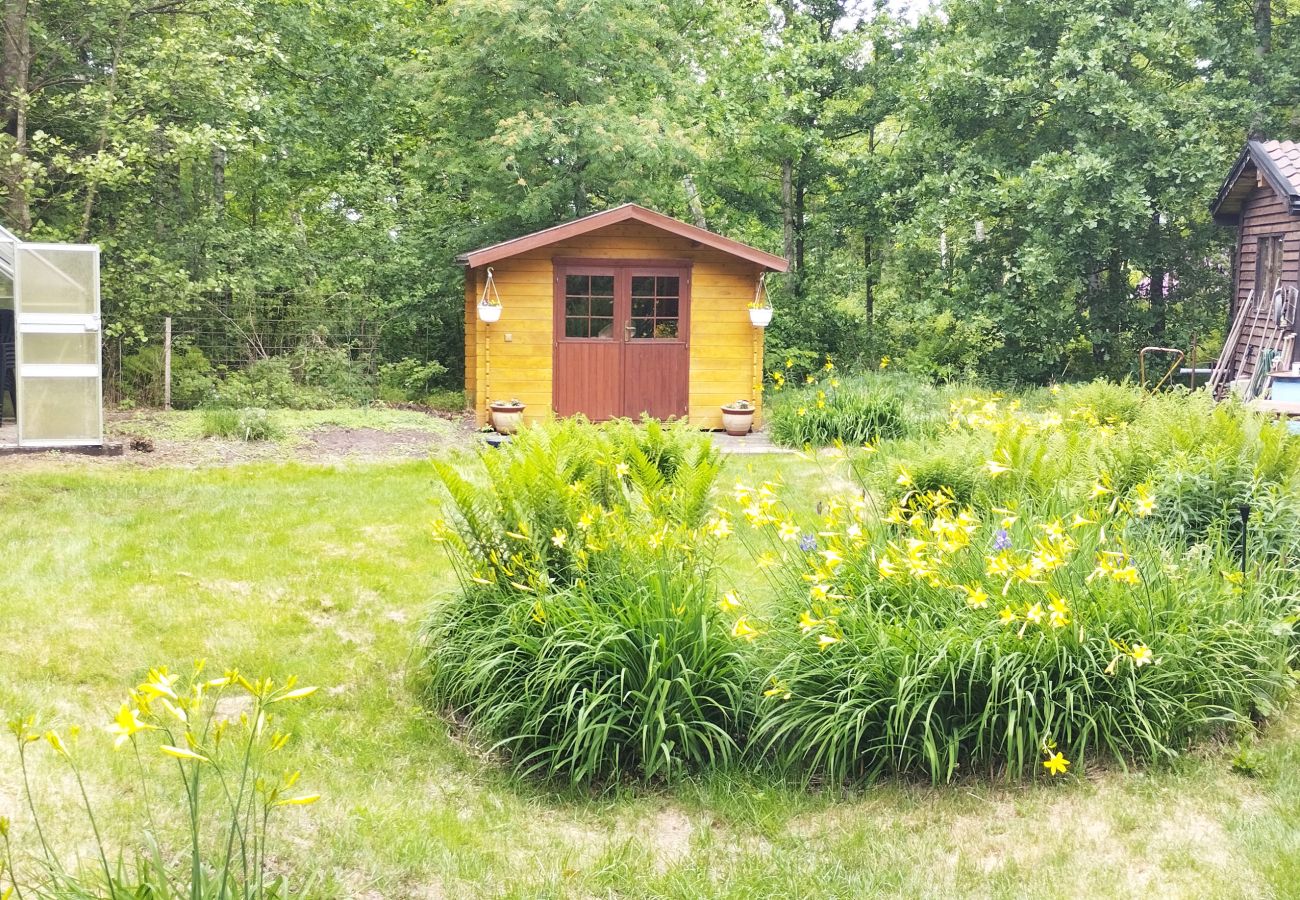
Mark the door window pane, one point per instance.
(589, 307)
(655, 307)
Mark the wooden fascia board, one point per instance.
(624, 213)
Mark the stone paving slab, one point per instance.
(755, 442)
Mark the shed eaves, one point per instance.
(1278, 162)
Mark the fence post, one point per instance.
(167, 362)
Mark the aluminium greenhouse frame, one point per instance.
(57, 349)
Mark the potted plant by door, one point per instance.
(507, 415)
(738, 417)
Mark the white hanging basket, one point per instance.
(489, 305)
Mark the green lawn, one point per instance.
(325, 573)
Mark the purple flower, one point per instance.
(807, 542)
(1001, 540)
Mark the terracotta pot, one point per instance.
(737, 422)
(506, 419)
(760, 316)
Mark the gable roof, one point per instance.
(628, 212)
(1277, 161)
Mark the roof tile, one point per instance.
(1286, 156)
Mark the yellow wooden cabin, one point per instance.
(622, 313)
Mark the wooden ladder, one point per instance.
(1224, 371)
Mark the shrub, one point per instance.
(851, 411)
(180, 744)
(192, 377)
(1110, 402)
(585, 640)
(250, 424)
(949, 639)
(410, 380)
(330, 371)
(268, 384)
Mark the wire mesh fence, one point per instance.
(338, 354)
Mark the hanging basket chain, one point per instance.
(490, 288)
(761, 300)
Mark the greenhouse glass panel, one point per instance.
(57, 346)
(59, 410)
(58, 279)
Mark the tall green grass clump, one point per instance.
(585, 641)
(853, 410)
(250, 424)
(938, 639)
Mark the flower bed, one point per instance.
(1016, 593)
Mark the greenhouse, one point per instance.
(50, 392)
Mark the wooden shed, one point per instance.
(621, 313)
(1261, 198)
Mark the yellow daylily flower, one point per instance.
(1143, 503)
(976, 598)
(730, 601)
(807, 623)
(182, 753)
(1056, 764)
(742, 629)
(126, 725)
(1142, 655)
(778, 689)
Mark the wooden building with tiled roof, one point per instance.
(1261, 198)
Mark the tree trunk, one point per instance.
(693, 201)
(868, 265)
(1263, 47)
(219, 159)
(1159, 301)
(15, 74)
(787, 209)
(110, 101)
(579, 195)
(800, 204)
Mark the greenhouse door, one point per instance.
(56, 306)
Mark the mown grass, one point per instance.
(325, 573)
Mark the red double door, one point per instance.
(621, 338)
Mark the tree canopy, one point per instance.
(1010, 190)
